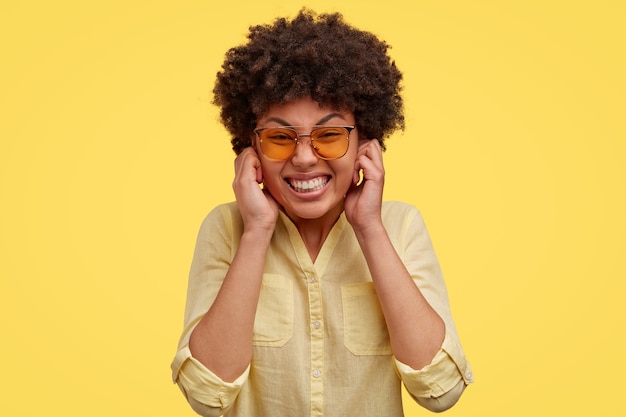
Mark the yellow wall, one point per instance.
(111, 155)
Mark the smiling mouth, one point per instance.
(307, 186)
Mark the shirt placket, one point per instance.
(317, 344)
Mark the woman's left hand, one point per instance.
(363, 201)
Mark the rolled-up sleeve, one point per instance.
(207, 393)
(439, 385)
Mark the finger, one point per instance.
(356, 176)
(247, 158)
(373, 154)
(366, 143)
(259, 174)
(371, 170)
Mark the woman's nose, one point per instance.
(304, 155)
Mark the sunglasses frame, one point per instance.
(348, 129)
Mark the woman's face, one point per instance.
(306, 186)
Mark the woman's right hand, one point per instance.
(257, 206)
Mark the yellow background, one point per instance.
(111, 155)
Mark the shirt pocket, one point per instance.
(273, 323)
(365, 329)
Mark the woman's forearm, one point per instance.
(222, 340)
(415, 329)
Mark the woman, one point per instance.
(309, 295)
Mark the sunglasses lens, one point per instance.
(278, 143)
(330, 142)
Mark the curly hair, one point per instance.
(318, 56)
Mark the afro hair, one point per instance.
(320, 56)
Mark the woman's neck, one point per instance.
(315, 231)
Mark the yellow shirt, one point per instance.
(321, 346)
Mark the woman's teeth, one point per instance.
(308, 186)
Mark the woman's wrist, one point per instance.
(370, 232)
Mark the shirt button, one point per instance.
(317, 373)
(312, 278)
(316, 324)
(470, 376)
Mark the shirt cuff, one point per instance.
(199, 383)
(444, 372)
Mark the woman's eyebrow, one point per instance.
(328, 117)
(319, 122)
(278, 120)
